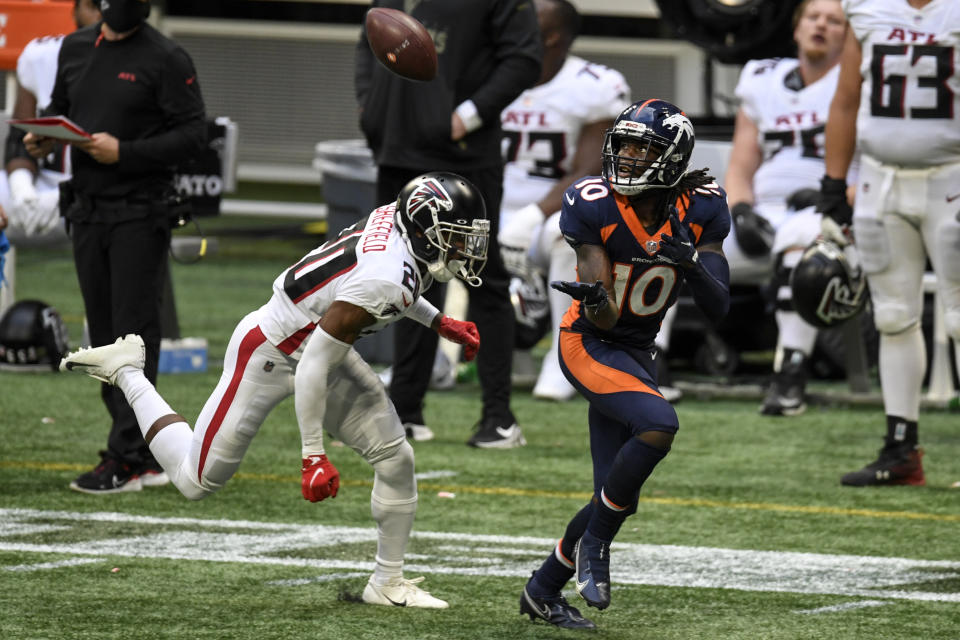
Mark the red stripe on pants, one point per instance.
(248, 345)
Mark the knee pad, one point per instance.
(892, 318)
(394, 472)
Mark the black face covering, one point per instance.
(124, 15)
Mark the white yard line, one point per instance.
(466, 554)
(43, 566)
(845, 607)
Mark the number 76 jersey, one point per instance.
(910, 71)
(646, 284)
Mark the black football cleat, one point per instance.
(786, 396)
(900, 465)
(555, 610)
(593, 571)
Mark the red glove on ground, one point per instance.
(461, 332)
(320, 479)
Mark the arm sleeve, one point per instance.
(518, 53)
(185, 128)
(709, 282)
(322, 353)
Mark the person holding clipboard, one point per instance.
(136, 92)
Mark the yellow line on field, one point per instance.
(575, 495)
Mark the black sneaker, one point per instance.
(555, 610)
(896, 465)
(110, 476)
(491, 434)
(593, 571)
(785, 397)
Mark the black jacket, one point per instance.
(144, 91)
(489, 51)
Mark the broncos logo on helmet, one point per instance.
(664, 136)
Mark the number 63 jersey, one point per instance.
(910, 70)
(646, 284)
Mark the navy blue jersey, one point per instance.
(645, 284)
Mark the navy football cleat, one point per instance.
(593, 571)
(555, 610)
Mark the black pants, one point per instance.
(415, 345)
(121, 268)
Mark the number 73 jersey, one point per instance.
(910, 69)
(646, 284)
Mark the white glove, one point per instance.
(516, 236)
(23, 199)
(832, 231)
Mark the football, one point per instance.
(401, 43)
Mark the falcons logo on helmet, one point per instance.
(430, 194)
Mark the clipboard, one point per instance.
(59, 127)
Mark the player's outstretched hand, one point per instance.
(320, 479)
(463, 333)
(592, 295)
(679, 247)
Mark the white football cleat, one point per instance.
(104, 362)
(401, 593)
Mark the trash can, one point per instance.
(348, 177)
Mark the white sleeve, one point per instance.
(744, 90)
(423, 312)
(322, 353)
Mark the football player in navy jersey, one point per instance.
(640, 231)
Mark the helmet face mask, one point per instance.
(443, 220)
(827, 289)
(648, 147)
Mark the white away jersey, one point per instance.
(910, 96)
(368, 265)
(790, 119)
(541, 127)
(37, 67)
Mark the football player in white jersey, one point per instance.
(898, 101)
(552, 134)
(777, 156)
(300, 342)
(30, 192)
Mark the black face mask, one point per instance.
(124, 15)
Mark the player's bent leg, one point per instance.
(256, 377)
(361, 415)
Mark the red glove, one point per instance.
(320, 479)
(461, 332)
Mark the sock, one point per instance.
(633, 465)
(394, 520)
(903, 361)
(143, 397)
(557, 569)
(900, 432)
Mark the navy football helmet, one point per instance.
(827, 289)
(649, 147)
(444, 222)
